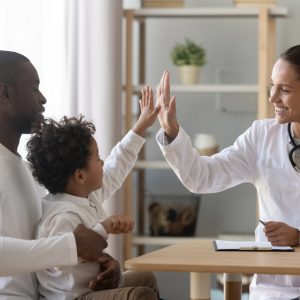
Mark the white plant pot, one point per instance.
(189, 74)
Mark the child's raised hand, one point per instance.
(118, 224)
(148, 111)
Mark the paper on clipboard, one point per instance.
(221, 245)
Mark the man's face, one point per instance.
(26, 99)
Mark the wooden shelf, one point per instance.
(206, 12)
(266, 55)
(151, 164)
(207, 88)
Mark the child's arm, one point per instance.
(149, 112)
(124, 155)
(118, 224)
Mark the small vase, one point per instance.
(189, 74)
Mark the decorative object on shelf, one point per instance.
(162, 3)
(173, 215)
(206, 144)
(189, 57)
(255, 2)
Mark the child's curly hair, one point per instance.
(58, 149)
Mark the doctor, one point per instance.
(266, 155)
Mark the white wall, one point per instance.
(231, 46)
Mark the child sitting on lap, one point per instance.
(65, 159)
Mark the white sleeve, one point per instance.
(204, 174)
(26, 256)
(99, 228)
(118, 164)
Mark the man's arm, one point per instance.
(89, 243)
(24, 256)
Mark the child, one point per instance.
(65, 159)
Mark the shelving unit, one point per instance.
(266, 54)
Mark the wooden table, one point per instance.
(200, 259)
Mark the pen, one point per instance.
(262, 222)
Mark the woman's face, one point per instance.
(285, 92)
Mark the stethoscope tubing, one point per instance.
(295, 147)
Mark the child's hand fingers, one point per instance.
(147, 96)
(151, 99)
(123, 225)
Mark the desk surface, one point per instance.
(200, 256)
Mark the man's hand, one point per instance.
(89, 243)
(167, 113)
(280, 234)
(118, 224)
(109, 276)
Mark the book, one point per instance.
(221, 245)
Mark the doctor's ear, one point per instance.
(4, 95)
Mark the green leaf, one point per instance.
(188, 53)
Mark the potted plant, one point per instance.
(189, 57)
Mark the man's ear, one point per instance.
(79, 176)
(4, 95)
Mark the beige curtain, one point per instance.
(75, 46)
(94, 39)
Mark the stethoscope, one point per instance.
(292, 154)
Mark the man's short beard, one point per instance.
(36, 125)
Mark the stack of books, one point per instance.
(255, 2)
(162, 3)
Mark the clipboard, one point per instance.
(222, 245)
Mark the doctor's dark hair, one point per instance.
(9, 65)
(57, 149)
(292, 56)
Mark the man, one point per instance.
(21, 108)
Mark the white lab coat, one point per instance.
(259, 156)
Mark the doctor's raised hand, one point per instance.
(167, 113)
